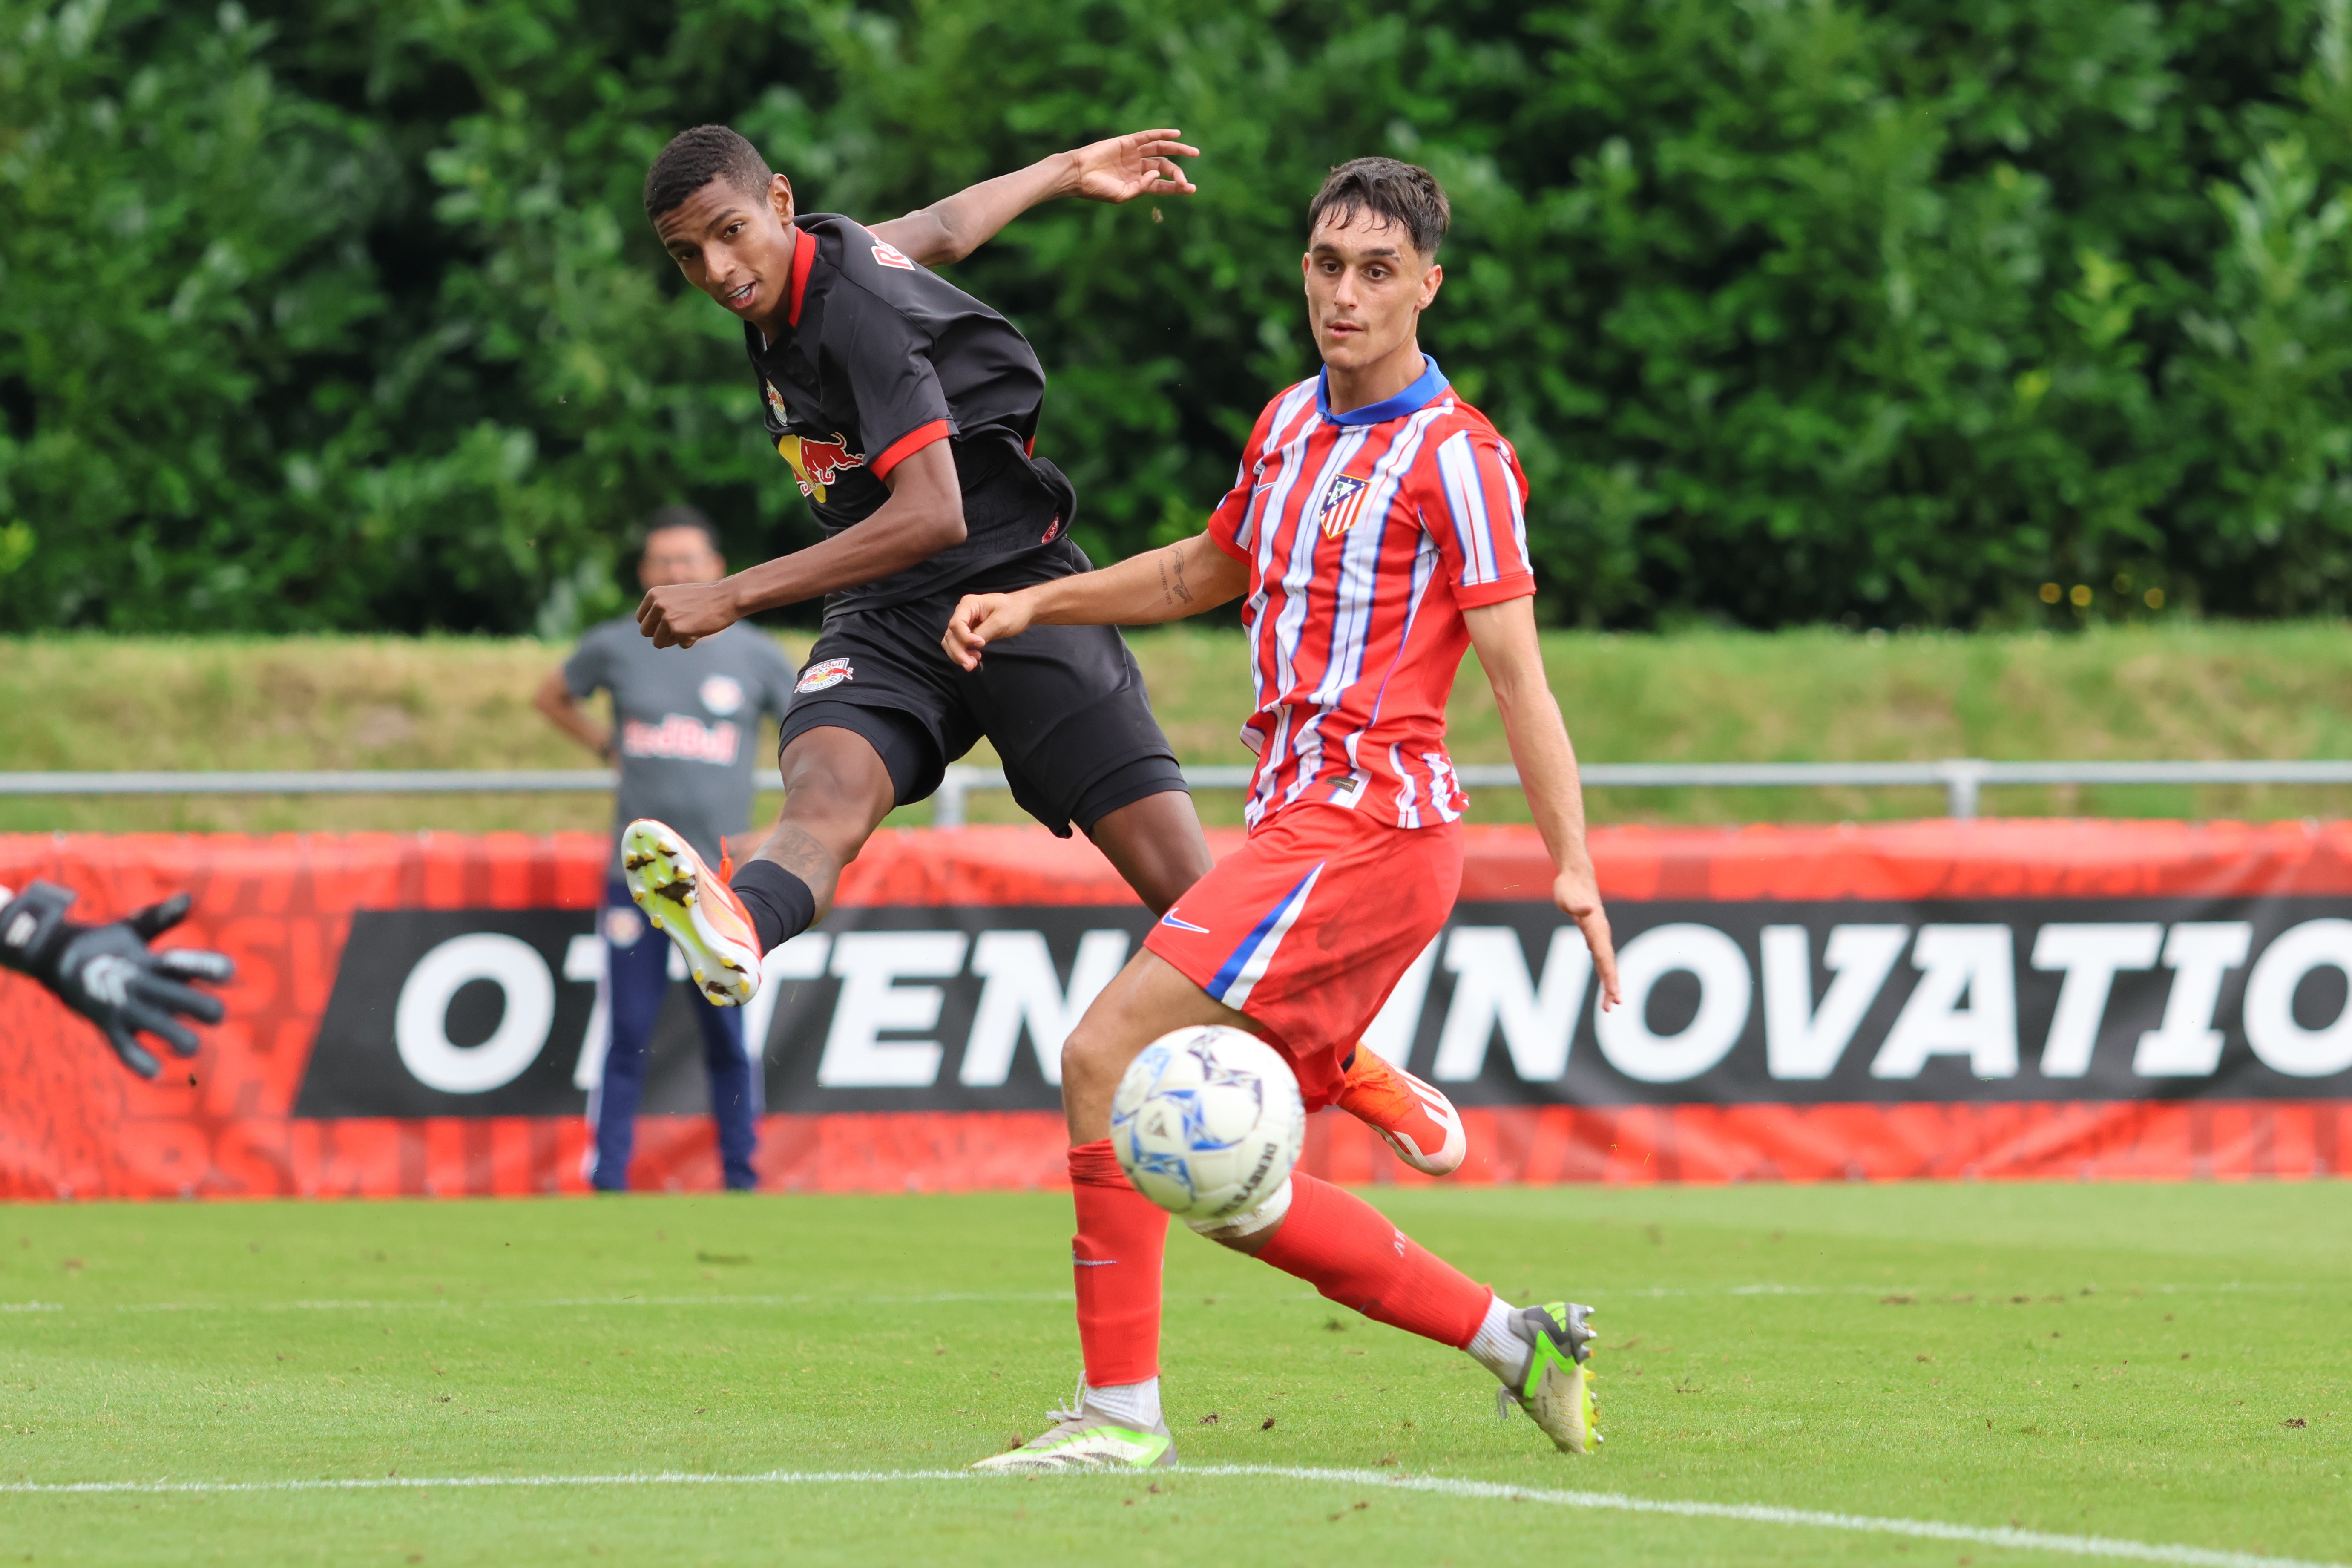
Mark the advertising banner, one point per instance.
(422, 1013)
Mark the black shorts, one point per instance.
(1063, 706)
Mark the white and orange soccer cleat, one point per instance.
(1412, 1119)
(693, 904)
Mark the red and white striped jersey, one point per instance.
(1367, 534)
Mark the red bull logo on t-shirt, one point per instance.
(816, 463)
(680, 739)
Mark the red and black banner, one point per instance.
(2031, 998)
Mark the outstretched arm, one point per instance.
(1118, 170)
(1505, 636)
(1183, 579)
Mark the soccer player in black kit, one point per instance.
(908, 411)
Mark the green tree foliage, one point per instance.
(346, 313)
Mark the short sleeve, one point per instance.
(1479, 520)
(1229, 525)
(900, 408)
(589, 668)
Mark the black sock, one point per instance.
(781, 905)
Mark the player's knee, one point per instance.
(823, 782)
(1085, 1055)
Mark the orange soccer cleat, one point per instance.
(694, 905)
(1416, 1120)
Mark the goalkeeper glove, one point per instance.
(107, 974)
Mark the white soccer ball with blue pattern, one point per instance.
(1207, 1122)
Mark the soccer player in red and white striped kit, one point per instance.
(1377, 526)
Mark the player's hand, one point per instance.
(107, 974)
(980, 619)
(1126, 167)
(1577, 891)
(677, 614)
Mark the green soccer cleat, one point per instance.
(1083, 1439)
(1555, 1388)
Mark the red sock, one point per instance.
(1117, 1254)
(1346, 1250)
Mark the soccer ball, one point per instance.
(1207, 1122)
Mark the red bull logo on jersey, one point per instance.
(1343, 504)
(679, 738)
(817, 463)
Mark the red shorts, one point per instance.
(1308, 927)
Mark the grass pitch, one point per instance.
(2158, 1364)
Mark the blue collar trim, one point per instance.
(1420, 394)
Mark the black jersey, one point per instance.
(881, 357)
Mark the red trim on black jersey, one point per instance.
(907, 446)
(803, 258)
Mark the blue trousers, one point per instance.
(637, 982)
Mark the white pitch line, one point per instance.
(1441, 1486)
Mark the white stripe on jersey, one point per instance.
(1425, 562)
(1297, 580)
(1409, 788)
(1360, 557)
(1457, 467)
(1441, 784)
(1518, 502)
(1354, 587)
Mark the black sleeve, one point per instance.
(900, 408)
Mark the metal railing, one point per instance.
(1962, 779)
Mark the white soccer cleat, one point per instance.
(693, 904)
(1555, 1385)
(1084, 1440)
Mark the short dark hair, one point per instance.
(695, 157)
(1405, 193)
(680, 516)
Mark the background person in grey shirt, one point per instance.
(685, 734)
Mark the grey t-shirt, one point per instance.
(685, 723)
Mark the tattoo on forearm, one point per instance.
(1171, 576)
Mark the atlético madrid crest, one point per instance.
(1343, 503)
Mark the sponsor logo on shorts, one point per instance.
(823, 673)
(891, 255)
(722, 694)
(681, 739)
(1343, 505)
(816, 463)
(1172, 919)
(624, 927)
